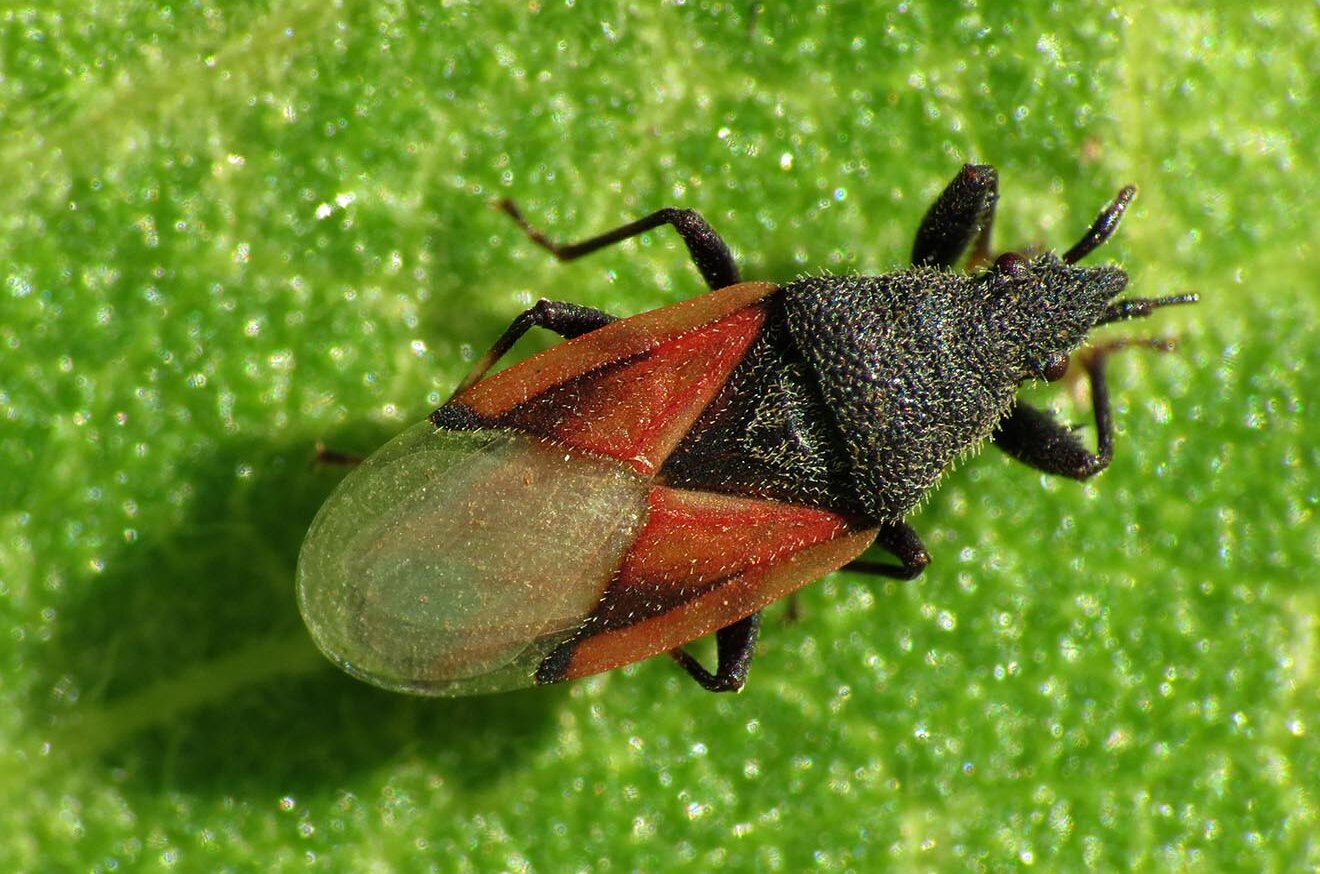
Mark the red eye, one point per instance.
(1055, 369)
(1011, 264)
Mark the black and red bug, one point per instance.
(659, 478)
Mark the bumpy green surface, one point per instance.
(231, 230)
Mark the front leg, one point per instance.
(1036, 438)
(736, 644)
(960, 217)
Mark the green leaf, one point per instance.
(233, 230)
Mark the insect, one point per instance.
(656, 479)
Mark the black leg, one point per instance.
(1102, 228)
(736, 645)
(568, 320)
(903, 541)
(1036, 438)
(963, 213)
(709, 252)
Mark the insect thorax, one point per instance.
(908, 372)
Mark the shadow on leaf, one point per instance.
(188, 666)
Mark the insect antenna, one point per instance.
(1103, 227)
(1140, 307)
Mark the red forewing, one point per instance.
(631, 389)
(703, 562)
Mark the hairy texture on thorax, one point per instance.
(910, 377)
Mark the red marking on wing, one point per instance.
(703, 562)
(617, 341)
(692, 537)
(637, 411)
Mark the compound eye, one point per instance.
(1011, 264)
(1055, 367)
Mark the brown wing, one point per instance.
(631, 389)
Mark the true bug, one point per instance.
(658, 478)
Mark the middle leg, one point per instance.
(903, 541)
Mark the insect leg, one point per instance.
(963, 213)
(736, 644)
(1036, 438)
(709, 252)
(568, 320)
(903, 541)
